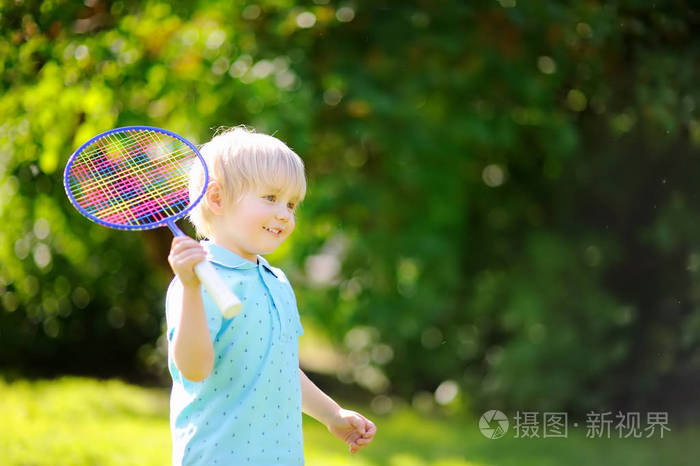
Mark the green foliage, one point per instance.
(500, 193)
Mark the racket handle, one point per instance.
(228, 303)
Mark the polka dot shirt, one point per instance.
(248, 410)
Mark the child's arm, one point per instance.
(351, 427)
(192, 347)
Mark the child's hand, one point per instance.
(352, 428)
(185, 253)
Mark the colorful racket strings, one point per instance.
(133, 178)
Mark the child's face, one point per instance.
(257, 224)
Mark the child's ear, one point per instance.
(215, 198)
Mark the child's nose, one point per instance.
(283, 213)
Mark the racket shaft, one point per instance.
(227, 302)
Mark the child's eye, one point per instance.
(291, 205)
(270, 197)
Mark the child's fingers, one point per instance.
(359, 444)
(370, 430)
(355, 447)
(191, 252)
(184, 243)
(181, 240)
(183, 249)
(187, 265)
(358, 423)
(181, 243)
(187, 256)
(184, 255)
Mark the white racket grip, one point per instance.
(228, 303)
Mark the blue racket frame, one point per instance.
(168, 221)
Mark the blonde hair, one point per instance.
(240, 160)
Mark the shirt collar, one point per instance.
(222, 256)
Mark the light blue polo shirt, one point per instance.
(248, 410)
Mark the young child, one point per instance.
(238, 393)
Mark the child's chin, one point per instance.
(268, 250)
(270, 247)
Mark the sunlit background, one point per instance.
(503, 213)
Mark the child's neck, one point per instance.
(235, 249)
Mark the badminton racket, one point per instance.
(136, 178)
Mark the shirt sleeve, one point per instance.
(173, 310)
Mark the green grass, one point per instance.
(80, 422)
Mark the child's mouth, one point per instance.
(274, 231)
